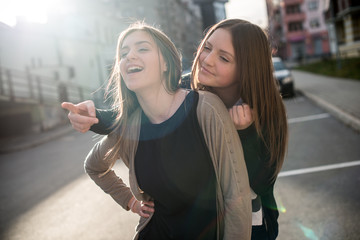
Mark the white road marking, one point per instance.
(318, 169)
(308, 118)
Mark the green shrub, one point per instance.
(345, 68)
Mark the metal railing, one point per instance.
(23, 86)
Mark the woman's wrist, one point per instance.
(132, 203)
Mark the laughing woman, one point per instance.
(234, 62)
(188, 177)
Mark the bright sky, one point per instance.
(30, 10)
(253, 11)
(35, 10)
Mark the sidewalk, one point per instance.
(340, 97)
(19, 143)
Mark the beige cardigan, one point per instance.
(233, 191)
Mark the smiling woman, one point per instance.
(181, 140)
(31, 11)
(135, 56)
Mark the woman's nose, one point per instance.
(209, 59)
(131, 55)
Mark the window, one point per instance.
(277, 17)
(291, 9)
(356, 26)
(295, 26)
(313, 5)
(71, 72)
(340, 32)
(314, 23)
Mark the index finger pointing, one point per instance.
(69, 106)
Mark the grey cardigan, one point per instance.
(233, 190)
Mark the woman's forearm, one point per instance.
(106, 121)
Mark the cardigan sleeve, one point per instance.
(106, 120)
(110, 183)
(226, 151)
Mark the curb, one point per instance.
(341, 115)
(21, 144)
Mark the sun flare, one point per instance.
(29, 10)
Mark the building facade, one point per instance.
(212, 11)
(298, 28)
(78, 43)
(343, 20)
(276, 28)
(71, 56)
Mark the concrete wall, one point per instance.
(76, 47)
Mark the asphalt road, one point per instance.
(46, 195)
(321, 199)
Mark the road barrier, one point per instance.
(23, 86)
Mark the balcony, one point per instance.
(296, 36)
(290, 2)
(294, 17)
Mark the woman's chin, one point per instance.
(131, 87)
(204, 80)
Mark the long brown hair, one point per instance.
(124, 101)
(257, 85)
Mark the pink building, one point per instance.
(303, 29)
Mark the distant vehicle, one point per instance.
(186, 79)
(284, 77)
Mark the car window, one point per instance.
(279, 66)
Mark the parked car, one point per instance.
(284, 77)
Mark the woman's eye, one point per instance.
(224, 59)
(143, 50)
(123, 54)
(206, 48)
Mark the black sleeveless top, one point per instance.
(173, 165)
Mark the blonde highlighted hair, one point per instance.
(125, 102)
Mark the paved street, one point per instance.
(46, 195)
(320, 204)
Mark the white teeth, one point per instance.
(134, 69)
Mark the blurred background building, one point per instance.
(298, 29)
(343, 20)
(69, 56)
(212, 11)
